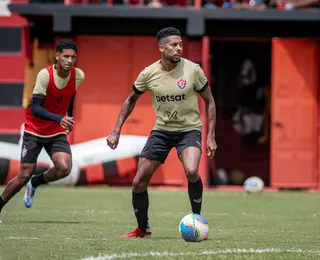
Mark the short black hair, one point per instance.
(66, 45)
(169, 31)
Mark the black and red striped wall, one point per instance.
(12, 71)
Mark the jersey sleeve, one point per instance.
(140, 85)
(200, 79)
(79, 77)
(42, 83)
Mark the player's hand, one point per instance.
(69, 130)
(67, 123)
(211, 147)
(113, 140)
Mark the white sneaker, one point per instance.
(29, 195)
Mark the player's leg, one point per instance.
(60, 153)
(140, 198)
(31, 147)
(189, 151)
(15, 185)
(59, 150)
(62, 164)
(152, 156)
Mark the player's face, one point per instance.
(171, 48)
(66, 59)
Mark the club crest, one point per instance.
(182, 83)
(24, 151)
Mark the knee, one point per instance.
(139, 184)
(25, 173)
(192, 173)
(63, 168)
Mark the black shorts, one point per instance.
(160, 143)
(32, 145)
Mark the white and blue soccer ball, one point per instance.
(254, 185)
(193, 228)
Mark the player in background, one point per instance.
(48, 120)
(175, 84)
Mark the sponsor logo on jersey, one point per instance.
(170, 98)
(173, 115)
(173, 118)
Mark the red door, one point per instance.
(205, 163)
(294, 112)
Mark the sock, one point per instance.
(195, 195)
(140, 203)
(2, 203)
(37, 180)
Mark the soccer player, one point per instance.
(48, 120)
(175, 84)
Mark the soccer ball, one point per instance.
(254, 185)
(193, 228)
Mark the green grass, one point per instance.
(75, 223)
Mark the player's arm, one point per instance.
(38, 98)
(70, 108)
(39, 111)
(205, 92)
(126, 109)
(139, 87)
(211, 118)
(79, 79)
(210, 110)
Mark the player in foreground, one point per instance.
(175, 84)
(48, 120)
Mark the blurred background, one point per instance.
(261, 58)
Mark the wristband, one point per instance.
(114, 133)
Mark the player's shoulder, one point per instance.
(79, 73)
(152, 68)
(189, 63)
(192, 68)
(43, 73)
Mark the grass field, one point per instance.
(84, 223)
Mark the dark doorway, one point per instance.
(241, 72)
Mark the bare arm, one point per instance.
(126, 110)
(210, 110)
(211, 115)
(139, 87)
(202, 87)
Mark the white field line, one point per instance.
(21, 238)
(203, 253)
(56, 238)
(182, 213)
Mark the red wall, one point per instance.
(12, 69)
(295, 113)
(111, 65)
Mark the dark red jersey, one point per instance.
(56, 101)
